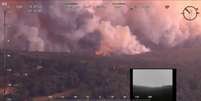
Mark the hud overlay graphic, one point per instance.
(68, 50)
(153, 84)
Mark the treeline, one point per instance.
(46, 76)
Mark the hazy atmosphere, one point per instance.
(152, 78)
(103, 31)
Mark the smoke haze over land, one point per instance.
(102, 31)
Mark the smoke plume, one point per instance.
(109, 30)
(119, 39)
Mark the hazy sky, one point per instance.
(152, 77)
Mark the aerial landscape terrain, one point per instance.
(163, 93)
(63, 74)
(66, 49)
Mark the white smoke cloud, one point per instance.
(32, 35)
(165, 27)
(154, 23)
(119, 39)
(121, 30)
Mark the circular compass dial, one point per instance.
(190, 13)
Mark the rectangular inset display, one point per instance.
(153, 84)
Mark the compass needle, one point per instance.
(187, 10)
